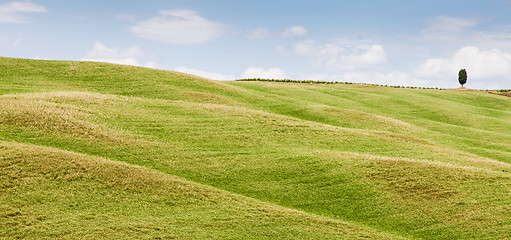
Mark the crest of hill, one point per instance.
(107, 78)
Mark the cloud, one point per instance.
(209, 75)
(251, 72)
(271, 73)
(295, 31)
(486, 69)
(450, 24)
(181, 27)
(264, 32)
(260, 32)
(126, 17)
(444, 28)
(12, 12)
(129, 56)
(342, 57)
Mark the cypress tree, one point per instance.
(462, 77)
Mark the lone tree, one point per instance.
(462, 77)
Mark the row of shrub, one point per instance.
(325, 82)
(502, 90)
(289, 80)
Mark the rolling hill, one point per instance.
(96, 150)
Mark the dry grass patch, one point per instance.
(70, 113)
(507, 94)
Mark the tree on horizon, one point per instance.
(462, 77)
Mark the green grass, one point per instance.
(94, 150)
(57, 194)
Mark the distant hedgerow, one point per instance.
(325, 82)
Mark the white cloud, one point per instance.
(264, 32)
(271, 73)
(486, 69)
(14, 7)
(12, 12)
(295, 31)
(448, 29)
(260, 32)
(450, 24)
(154, 65)
(342, 57)
(182, 27)
(209, 75)
(126, 17)
(102, 53)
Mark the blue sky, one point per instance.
(410, 43)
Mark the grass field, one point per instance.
(96, 150)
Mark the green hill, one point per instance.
(95, 150)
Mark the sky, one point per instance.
(406, 43)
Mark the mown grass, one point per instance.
(475, 122)
(355, 161)
(50, 193)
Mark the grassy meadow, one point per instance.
(104, 151)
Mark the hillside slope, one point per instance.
(281, 160)
(58, 194)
